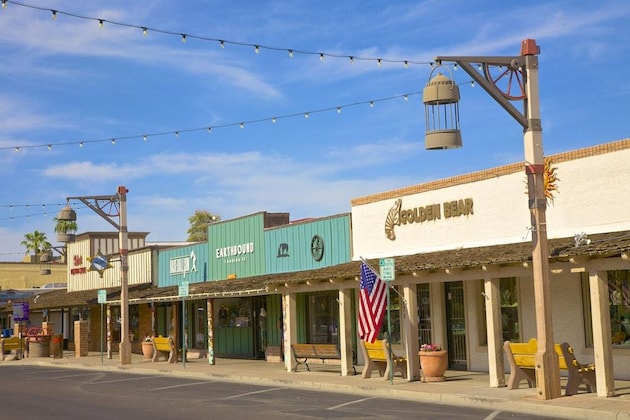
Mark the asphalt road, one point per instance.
(36, 392)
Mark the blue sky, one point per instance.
(65, 81)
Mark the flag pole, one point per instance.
(388, 336)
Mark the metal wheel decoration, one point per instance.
(108, 207)
(509, 80)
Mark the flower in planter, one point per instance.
(431, 347)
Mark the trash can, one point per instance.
(57, 346)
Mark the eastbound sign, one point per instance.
(183, 289)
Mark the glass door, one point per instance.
(456, 325)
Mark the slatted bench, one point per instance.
(12, 345)
(303, 352)
(375, 356)
(164, 347)
(522, 360)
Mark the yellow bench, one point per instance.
(12, 344)
(522, 360)
(375, 355)
(164, 347)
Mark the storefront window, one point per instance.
(424, 314)
(509, 309)
(323, 318)
(233, 313)
(619, 298)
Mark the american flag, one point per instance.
(372, 303)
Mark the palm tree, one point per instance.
(37, 242)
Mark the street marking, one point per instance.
(73, 376)
(120, 380)
(349, 403)
(251, 393)
(180, 386)
(492, 415)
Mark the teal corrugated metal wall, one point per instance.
(289, 248)
(196, 256)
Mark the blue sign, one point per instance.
(20, 311)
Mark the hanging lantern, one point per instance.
(67, 214)
(45, 261)
(441, 109)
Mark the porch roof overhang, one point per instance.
(599, 246)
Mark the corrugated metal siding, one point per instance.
(288, 248)
(139, 273)
(230, 250)
(196, 256)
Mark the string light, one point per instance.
(209, 130)
(378, 61)
(177, 134)
(145, 135)
(256, 49)
(54, 14)
(50, 147)
(222, 42)
(351, 59)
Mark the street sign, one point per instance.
(20, 311)
(388, 270)
(183, 289)
(101, 295)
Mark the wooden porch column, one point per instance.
(290, 328)
(604, 373)
(345, 330)
(410, 332)
(492, 297)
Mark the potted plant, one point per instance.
(147, 347)
(65, 230)
(433, 362)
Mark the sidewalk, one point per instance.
(461, 388)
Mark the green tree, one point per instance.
(199, 223)
(37, 242)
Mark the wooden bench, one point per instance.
(522, 360)
(375, 356)
(12, 345)
(164, 347)
(323, 352)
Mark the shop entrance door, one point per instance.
(260, 327)
(456, 325)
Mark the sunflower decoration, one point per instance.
(551, 180)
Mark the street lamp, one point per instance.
(108, 206)
(511, 79)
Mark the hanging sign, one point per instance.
(388, 271)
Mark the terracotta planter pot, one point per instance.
(147, 349)
(433, 365)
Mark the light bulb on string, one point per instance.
(405, 97)
(455, 66)
(184, 38)
(338, 110)
(81, 145)
(50, 147)
(113, 141)
(177, 134)
(101, 23)
(145, 31)
(144, 138)
(321, 56)
(306, 115)
(371, 104)
(472, 84)
(222, 43)
(273, 120)
(290, 53)
(54, 14)
(209, 130)
(379, 62)
(256, 49)
(17, 149)
(242, 125)
(406, 63)
(4, 4)
(351, 59)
